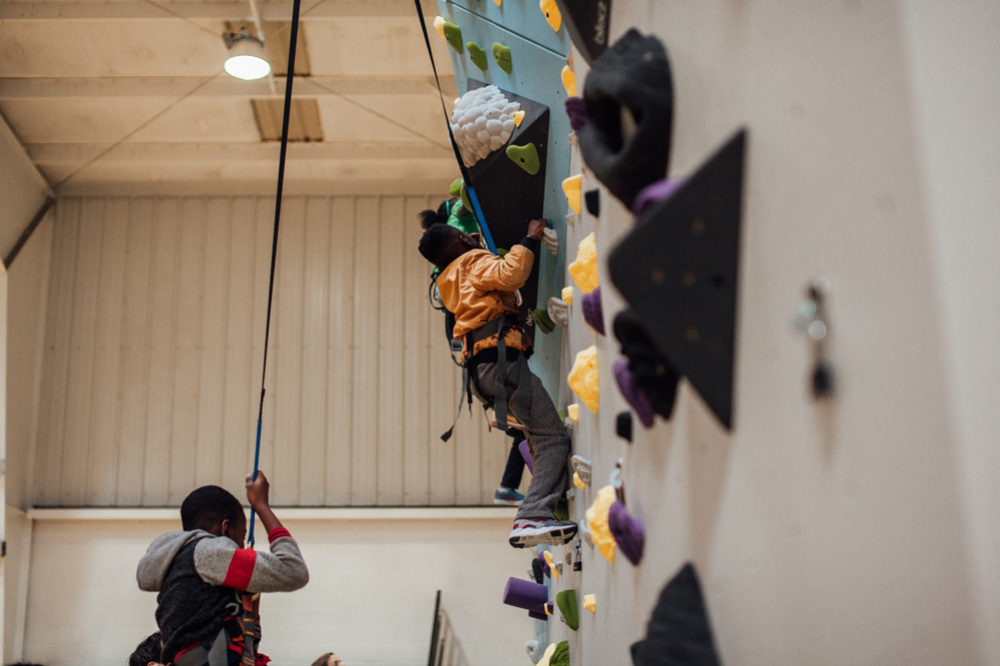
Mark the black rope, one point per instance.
(289, 78)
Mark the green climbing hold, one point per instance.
(477, 55)
(501, 54)
(453, 34)
(566, 601)
(543, 321)
(560, 656)
(526, 157)
(502, 252)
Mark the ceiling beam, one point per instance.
(63, 153)
(221, 86)
(189, 9)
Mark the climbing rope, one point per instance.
(466, 178)
(289, 77)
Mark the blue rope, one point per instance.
(290, 76)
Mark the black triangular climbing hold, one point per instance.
(593, 200)
(679, 632)
(679, 268)
(587, 23)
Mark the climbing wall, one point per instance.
(793, 488)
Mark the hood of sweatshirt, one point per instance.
(156, 562)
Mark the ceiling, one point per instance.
(129, 96)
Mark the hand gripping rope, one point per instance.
(289, 77)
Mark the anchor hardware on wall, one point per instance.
(812, 319)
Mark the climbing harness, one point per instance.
(292, 41)
(466, 177)
(240, 634)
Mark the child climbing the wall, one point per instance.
(206, 579)
(478, 287)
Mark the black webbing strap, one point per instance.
(477, 210)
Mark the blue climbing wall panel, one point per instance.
(538, 55)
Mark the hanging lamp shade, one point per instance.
(247, 59)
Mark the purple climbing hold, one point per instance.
(633, 394)
(628, 531)
(592, 312)
(526, 455)
(576, 109)
(538, 615)
(525, 594)
(654, 192)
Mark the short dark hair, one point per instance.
(439, 244)
(207, 506)
(322, 659)
(429, 218)
(146, 651)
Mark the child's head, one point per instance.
(441, 244)
(214, 510)
(147, 652)
(429, 218)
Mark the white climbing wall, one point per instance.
(860, 529)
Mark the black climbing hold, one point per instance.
(623, 425)
(537, 570)
(587, 24)
(632, 76)
(648, 370)
(679, 631)
(679, 269)
(593, 201)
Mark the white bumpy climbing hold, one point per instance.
(482, 121)
(550, 239)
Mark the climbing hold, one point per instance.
(525, 594)
(571, 188)
(633, 395)
(573, 410)
(629, 98)
(597, 521)
(623, 425)
(554, 569)
(585, 535)
(628, 531)
(593, 314)
(525, 450)
(531, 647)
(593, 200)
(518, 118)
(566, 601)
(477, 55)
(577, 112)
(548, 608)
(526, 157)
(679, 626)
(560, 657)
(501, 54)
(655, 192)
(498, 3)
(583, 377)
(550, 239)
(482, 122)
(552, 14)
(578, 482)
(439, 26)
(547, 655)
(650, 375)
(581, 466)
(542, 320)
(569, 82)
(558, 311)
(584, 269)
(567, 294)
(590, 602)
(587, 22)
(538, 570)
(453, 35)
(538, 615)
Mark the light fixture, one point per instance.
(247, 59)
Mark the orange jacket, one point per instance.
(479, 287)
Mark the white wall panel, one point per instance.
(155, 334)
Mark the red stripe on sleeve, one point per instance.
(240, 569)
(277, 533)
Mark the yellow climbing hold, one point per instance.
(567, 295)
(574, 412)
(547, 611)
(439, 26)
(578, 482)
(590, 602)
(597, 519)
(583, 377)
(552, 13)
(571, 188)
(568, 79)
(518, 118)
(552, 567)
(584, 269)
(498, 3)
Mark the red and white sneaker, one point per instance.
(528, 532)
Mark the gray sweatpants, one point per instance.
(547, 438)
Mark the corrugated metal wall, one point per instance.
(154, 339)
